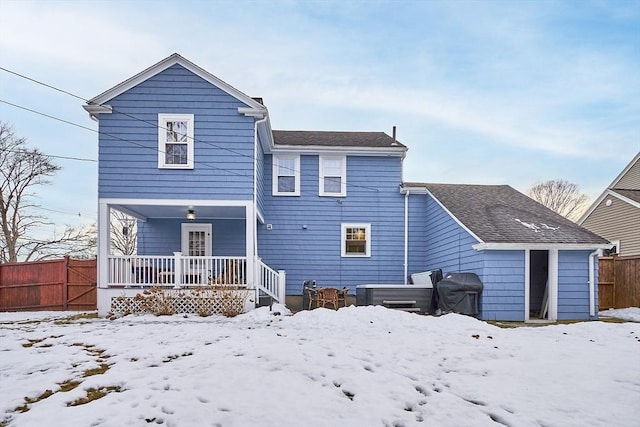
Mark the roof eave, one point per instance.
(163, 65)
(540, 246)
(322, 149)
(95, 110)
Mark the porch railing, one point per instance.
(270, 281)
(176, 270)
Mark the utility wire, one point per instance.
(114, 136)
(155, 125)
(7, 150)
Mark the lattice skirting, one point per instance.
(223, 303)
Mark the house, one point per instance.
(615, 214)
(531, 260)
(220, 197)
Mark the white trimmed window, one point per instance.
(333, 176)
(175, 141)
(356, 240)
(286, 175)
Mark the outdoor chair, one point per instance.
(328, 296)
(342, 296)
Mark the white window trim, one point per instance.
(162, 118)
(343, 236)
(295, 173)
(343, 176)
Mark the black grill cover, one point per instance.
(459, 293)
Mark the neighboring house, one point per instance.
(222, 198)
(615, 215)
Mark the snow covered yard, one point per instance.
(359, 366)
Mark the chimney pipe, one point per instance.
(394, 134)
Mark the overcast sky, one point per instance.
(484, 92)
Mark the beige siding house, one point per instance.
(615, 215)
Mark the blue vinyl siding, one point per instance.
(417, 233)
(503, 280)
(448, 245)
(261, 169)
(163, 236)
(314, 253)
(573, 285)
(223, 149)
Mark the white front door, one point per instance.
(196, 239)
(196, 242)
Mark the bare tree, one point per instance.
(561, 196)
(22, 170)
(123, 233)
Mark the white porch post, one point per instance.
(104, 211)
(103, 296)
(282, 286)
(527, 283)
(250, 228)
(177, 270)
(553, 284)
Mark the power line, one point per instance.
(114, 136)
(155, 125)
(52, 155)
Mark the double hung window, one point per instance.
(286, 175)
(356, 240)
(333, 176)
(175, 141)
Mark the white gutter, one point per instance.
(592, 282)
(406, 236)
(255, 181)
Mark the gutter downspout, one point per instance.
(592, 284)
(255, 204)
(406, 236)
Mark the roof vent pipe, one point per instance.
(394, 134)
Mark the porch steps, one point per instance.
(408, 306)
(264, 300)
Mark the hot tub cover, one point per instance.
(459, 292)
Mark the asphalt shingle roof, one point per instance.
(501, 214)
(334, 139)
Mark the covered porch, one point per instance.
(182, 245)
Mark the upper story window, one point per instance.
(175, 141)
(356, 240)
(286, 175)
(333, 176)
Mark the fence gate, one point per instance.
(61, 284)
(619, 282)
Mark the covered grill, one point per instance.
(459, 293)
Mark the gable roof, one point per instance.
(168, 62)
(614, 190)
(501, 214)
(334, 139)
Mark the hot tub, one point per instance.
(376, 294)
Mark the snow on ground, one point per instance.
(358, 366)
(631, 314)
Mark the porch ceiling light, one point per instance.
(191, 214)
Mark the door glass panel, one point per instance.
(197, 243)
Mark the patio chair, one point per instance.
(342, 296)
(328, 296)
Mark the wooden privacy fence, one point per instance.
(619, 282)
(61, 284)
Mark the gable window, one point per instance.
(333, 176)
(175, 141)
(356, 240)
(286, 175)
